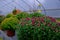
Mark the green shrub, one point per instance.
(9, 23)
(2, 18)
(22, 15)
(9, 15)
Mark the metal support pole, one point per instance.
(42, 6)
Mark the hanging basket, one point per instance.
(16, 11)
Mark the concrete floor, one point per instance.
(5, 37)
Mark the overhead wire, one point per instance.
(27, 4)
(42, 7)
(4, 2)
(52, 9)
(19, 5)
(34, 8)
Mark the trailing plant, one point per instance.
(9, 23)
(2, 18)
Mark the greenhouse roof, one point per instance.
(52, 7)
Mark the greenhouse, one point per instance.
(29, 19)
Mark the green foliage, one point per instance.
(14, 11)
(58, 19)
(25, 14)
(36, 14)
(9, 15)
(2, 18)
(22, 15)
(9, 23)
(37, 33)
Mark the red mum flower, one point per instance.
(58, 24)
(42, 19)
(49, 24)
(38, 24)
(27, 19)
(53, 20)
(33, 21)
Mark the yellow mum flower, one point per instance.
(39, 10)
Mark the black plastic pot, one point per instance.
(10, 33)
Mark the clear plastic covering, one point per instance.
(50, 7)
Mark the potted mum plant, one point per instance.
(9, 25)
(35, 29)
